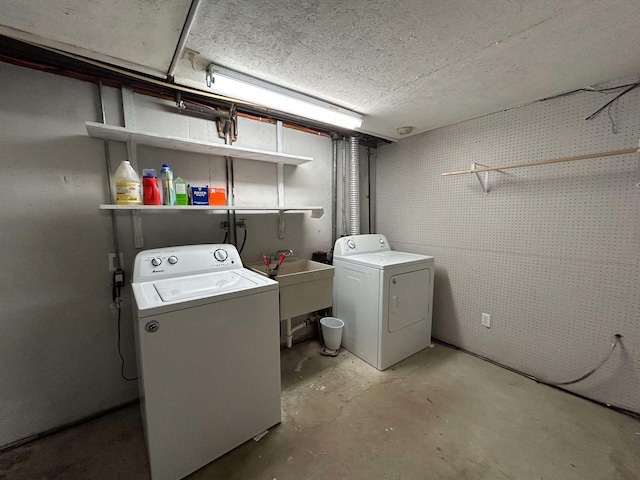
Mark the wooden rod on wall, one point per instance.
(612, 153)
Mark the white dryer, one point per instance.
(384, 298)
(208, 347)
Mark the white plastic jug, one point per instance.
(128, 191)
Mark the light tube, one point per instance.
(250, 90)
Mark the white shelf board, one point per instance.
(122, 134)
(315, 211)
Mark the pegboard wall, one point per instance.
(552, 252)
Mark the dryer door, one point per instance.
(408, 299)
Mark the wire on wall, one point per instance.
(610, 102)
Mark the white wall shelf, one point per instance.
(315, 211)
(122, 134)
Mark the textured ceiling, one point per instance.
(141, 34)
(420, 63)
(423, 63)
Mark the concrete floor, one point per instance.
(441, 414)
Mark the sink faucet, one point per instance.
(287, 253)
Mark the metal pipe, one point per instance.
(186, 29)
(112, 200)
(369, 199)
(280, 175)
(354, 185)
(343, 209)
(334, 190)
(231, 215)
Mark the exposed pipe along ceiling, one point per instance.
(415, 82)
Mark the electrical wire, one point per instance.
(606, 105)
(614, 127)
(590, 90)
(618, 340)
(116, 291)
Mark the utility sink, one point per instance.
(305, 286)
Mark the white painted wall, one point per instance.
(551, 252)
(58, 343)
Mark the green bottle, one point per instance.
(182, 195)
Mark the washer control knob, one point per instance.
(381, 241)
(220, 254)
(173, 259)
(156, 261)
(351, 244)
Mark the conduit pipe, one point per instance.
(334, 190)
(184, 35)
(354, 185)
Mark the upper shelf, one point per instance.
(122, 134)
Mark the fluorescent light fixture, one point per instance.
(242, 87)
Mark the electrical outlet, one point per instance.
(112, 261)
(486, 320)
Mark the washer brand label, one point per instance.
(152, 326)
(157, 271)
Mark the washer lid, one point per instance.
(170, 294)
(389, 259)
(181, 288)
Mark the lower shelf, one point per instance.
(136, 210)
(315, 211)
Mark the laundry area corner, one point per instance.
(281, 240)
(340, 418)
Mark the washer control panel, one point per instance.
(357, 244)
(187, 260)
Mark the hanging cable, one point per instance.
(614, 127)
(244, 240)
(118, 283)
(590, 90)
(242, 224)
(122, 361)
(606, 105)
(617, 339)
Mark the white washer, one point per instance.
(384, 298)
(208, 348)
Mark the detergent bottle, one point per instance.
(128, 191)
(182, 192)
(168, 188)
(150, 189)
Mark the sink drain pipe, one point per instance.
(290, 331)
(354, 185)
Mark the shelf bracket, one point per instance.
(484, 183)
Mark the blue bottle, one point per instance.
(168, 188)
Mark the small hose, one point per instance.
(616, 341)
(244, 240)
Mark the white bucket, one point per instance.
(332, 332)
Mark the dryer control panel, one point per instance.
(172, 262)
(357, 244)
